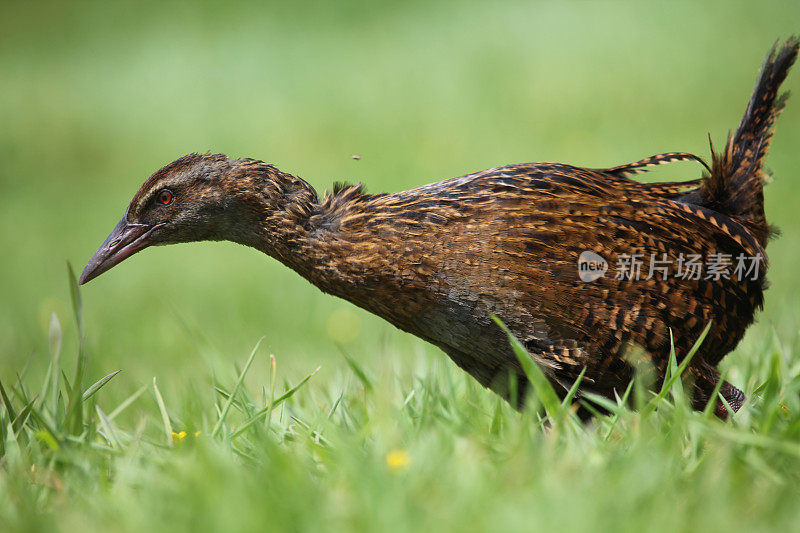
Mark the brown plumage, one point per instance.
(437, 261)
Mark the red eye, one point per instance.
(165, 197)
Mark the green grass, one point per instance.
(95, 96)
(420, 449)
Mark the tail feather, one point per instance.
(735, 184)
(643, 165)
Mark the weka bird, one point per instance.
(437, 261)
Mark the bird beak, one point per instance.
(125, 240)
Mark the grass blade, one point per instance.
(50, 388)
(273, 375)
(341, 395)
(236, 388)
(711, 406)
(677, 386)
(12, 414)
(623, 402)
(98, 385)
(285, 396)
(573, 390)
(75, 297)
(358, 371)
(109, 428)
(164, 415)
(23, 416)
(544, 389)
(601, 401)
(653, 403)
(129, 400)
(74, 420)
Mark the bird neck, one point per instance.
(266, 209)
(304, 233)
(335, 245)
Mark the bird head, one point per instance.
(194, 198)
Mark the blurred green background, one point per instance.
(95, 96)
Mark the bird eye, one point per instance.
(165, 197)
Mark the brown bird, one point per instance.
(581, 264)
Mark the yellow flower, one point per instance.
(398, 460)
(178, 437)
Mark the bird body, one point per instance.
(438, 261)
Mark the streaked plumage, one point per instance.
(437, 261)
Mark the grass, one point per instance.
(425, 448)
(337, 420)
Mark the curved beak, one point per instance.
(125, 240)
